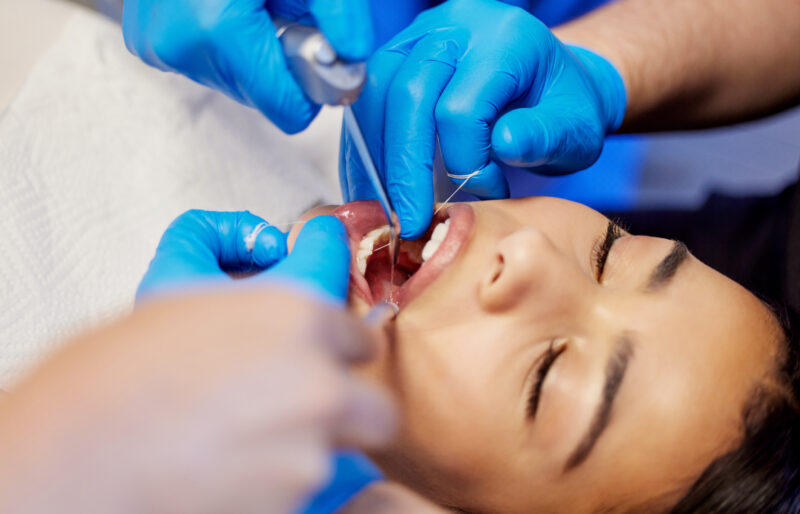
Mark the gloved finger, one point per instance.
(555, 137)
(203, 245)
(295, 10)
(319, 261)
(140, 22)
(369, 110)
(467, 109)
(347, 25)
(366, 419)
(130, 27)
(410, 130)
(252, 53)
(487, 184)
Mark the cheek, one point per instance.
(453, 407)
(430, 453)
(433, 385)
(316, 211)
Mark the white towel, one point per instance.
(98, 153)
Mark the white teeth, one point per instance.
(437, 236)
(430, 249)
(367, 244)
(440, 231)
(380, 236)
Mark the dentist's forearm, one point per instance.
(697, 63)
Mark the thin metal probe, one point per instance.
(357, 136)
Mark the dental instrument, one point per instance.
(380, 314)
(324, 78)
(327, 79)
(351, 123)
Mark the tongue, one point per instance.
(381, 283)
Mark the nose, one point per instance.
(530, 272)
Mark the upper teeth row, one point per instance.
(381, 234)
(437, 236)
(366, 247)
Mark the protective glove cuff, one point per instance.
(608, 82)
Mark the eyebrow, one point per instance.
(616, 367)
(666, 269)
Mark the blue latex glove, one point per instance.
(230, 45)
(496, 86)
(202, 247)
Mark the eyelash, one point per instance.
(548, 359)
(602, 248)
(600, 253)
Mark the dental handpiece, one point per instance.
(324, 77)
(329, 80)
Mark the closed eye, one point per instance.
(602, 248)
(548, 359)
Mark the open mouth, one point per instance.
(419, 262)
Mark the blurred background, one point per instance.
(111, 8)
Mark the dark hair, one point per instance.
(761, 475)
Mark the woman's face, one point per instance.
(547, 362)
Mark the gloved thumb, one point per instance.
(488, 183)
(320, 260)
(201, 246)
(554, 137)
(347, 25)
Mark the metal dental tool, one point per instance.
(351, 123)
(326, 79)
(380, 314)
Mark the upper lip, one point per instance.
(363, 216)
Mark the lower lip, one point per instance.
(362, 216)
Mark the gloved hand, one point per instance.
(200, 247)
(230, 45)
(496, 86)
